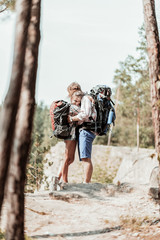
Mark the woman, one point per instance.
(75, 94)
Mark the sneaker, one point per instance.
(55, 182)
(63, 185)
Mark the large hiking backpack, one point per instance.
(59, 111)
(105, 110)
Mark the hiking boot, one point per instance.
(55, 182)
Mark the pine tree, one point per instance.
(134, 122)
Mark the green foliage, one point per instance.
(41, 143)
(7, 5)
(2, 235)
(132, 80)
(133, 107)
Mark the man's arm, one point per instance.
(85, 111)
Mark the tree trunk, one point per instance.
(138, 124)
(22, 140)
(10, 107)
(154, 66)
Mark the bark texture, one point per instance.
(22, 139)
(10, 107)
(154, 69)
(153, 48)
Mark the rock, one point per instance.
(128, 163)
(153, 181)
(67, 197)
(115, 234)
(137, 167)
(153, 192)
(135, 234)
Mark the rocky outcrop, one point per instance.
(137, 166)
(131, 166)
(154, 183)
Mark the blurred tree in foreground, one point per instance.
(17, 115)
(153, 49)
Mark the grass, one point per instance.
(101, 172)
(28, 238)
(134, 223)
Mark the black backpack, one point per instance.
(59, 111)
(105, 110)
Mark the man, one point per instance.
(86, 136)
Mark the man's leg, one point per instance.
(88, 169)
(85, 148)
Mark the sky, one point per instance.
(81, 40)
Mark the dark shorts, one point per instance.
(74, 133)
(85, 143)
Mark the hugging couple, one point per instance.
(81, 110)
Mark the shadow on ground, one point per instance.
(78, 234)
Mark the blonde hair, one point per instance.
(78, 94)
(73, 87)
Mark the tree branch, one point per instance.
(3, 9)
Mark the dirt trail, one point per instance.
(92, 211)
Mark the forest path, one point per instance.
(93, 211)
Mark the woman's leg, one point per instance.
(70, 147)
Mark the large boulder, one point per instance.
(154, 183)
(137, 167)
(131, 166)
